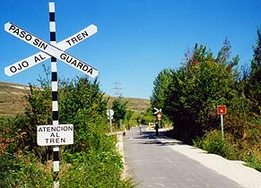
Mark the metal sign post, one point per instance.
(110, 113)
(222, 110)
(55, 51)
(158, 116)
(222, 127)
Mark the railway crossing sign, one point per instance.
(157, 110)
(52, 135)
(39, 57)
(49, 50)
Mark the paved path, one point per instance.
(154, 163)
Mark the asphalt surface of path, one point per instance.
(154, 164)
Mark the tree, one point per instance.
(128, 116)
(161, 84)
(194, 90)
(119, 108)
(253, 81)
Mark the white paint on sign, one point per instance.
(37, 58)
(110, 112)
(157, 110)
(50, 135)
(49, 50)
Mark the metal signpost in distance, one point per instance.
(221, 110)
(158, 116)
(110, 113)
(52, 134)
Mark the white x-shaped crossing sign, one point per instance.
(48, 50)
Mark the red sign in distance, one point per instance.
(221, 110)
(158, 115)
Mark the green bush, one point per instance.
(212, 142)
(253, 162)
(93, 169)
(92, 161)
(24, 170)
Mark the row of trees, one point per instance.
(190, 94)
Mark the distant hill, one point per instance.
(12, 100)
(135, 104)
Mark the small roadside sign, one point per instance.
(110, 113)
(159, 116)
(221, 110)
(50, 135)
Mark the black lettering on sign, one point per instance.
(68, 41)
(85, 34)
(38, 58)
(74, 40)
(20, 66)
(40, 44)
(13, 69)
(80, 64)
(21, 33)
(90, 71)
(76, 63)
(62, 140)
(85, 68)
(12, 27)
(78, 38)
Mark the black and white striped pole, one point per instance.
(52, 26)
(55, 134)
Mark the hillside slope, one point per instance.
(12, 100)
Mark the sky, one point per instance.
(136, 39)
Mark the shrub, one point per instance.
(212, 142)
(24, 170)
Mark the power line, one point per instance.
(118, 89)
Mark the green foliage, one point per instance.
(213, 143)
(81, 95)
(252, 85)
(24, 170)
(128, 116)
(93, 159)
(93, 169)
(253, 162)
(119, 108)
(161, 84)
(190, 94)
